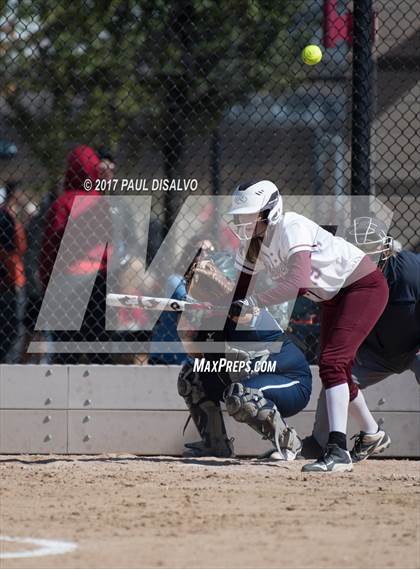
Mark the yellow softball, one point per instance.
(311, 55)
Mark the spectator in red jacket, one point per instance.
(84, 256)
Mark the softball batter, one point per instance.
(305, 259)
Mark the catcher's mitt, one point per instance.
(206, 283)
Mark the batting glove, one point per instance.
(246, 305)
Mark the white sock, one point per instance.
(361, 414)
(338, 405)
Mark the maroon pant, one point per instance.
(346, 320)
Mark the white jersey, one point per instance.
(333, 259)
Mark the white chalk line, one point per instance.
(45, 547)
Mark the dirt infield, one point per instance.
(131, 512)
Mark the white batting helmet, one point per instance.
(256, 197)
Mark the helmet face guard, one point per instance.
(370, 235)
(246, 231)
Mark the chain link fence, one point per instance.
(174, 99)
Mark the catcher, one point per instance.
(262, 400)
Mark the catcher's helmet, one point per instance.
(371, 236)
(256, 197)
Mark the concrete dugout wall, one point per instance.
(136, 409)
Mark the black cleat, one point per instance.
(366, 445)
(335, 459)
(199, 449)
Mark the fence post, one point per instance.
(362, 99)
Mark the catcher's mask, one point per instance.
(370, 235)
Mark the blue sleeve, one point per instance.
(175, 287)
(403, 275)
(165, 329)
(264, 329)
(266, 321)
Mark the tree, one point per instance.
(92, 70)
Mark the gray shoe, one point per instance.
(366, 445)
(335, 459)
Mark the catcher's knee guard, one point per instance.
(189, 385)
(248, 405)
(206, 415)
